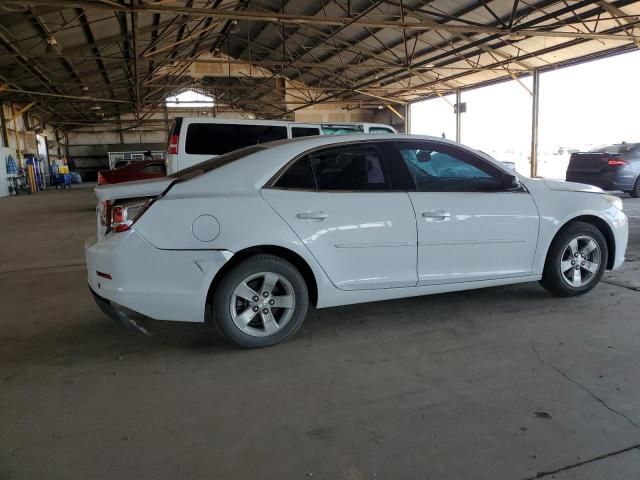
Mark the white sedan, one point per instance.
(248, 239)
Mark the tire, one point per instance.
(561, 254)
(635, 193)
(243, 320)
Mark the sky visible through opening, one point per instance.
(189, 98)
(581, 107)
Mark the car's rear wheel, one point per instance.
(576, 260)
(260, 302)
(635, 193)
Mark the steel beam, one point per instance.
(70, 97)
(276, 17)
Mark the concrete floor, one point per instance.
(502, 383)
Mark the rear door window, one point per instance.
(220, 138)
(349, 167)
(299, 176)
(370, 166)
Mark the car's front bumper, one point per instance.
(125, 269)
(620, 224)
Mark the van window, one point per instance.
(342, 129)
(220, 138)
(304, 132)
(380, 130)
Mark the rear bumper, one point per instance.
(120, 316)
(606, 181)
(159, 284)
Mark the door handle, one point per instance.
(441, 214)
(312, 215)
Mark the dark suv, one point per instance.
(614, 167)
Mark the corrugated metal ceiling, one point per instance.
(128, 55)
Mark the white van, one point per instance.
(194, 140)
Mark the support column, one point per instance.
(3, 125)
(407, 118)
(167, 124)
(66, 144)
(120, 134)
(535, 108)
(458, 115)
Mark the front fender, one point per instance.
(558, 208)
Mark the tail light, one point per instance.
(101, 179)
(617, 162)
(173, 144)
(124, 214)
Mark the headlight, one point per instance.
(615, 201)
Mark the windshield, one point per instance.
(215, 162)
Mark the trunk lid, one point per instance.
(135, 189)
(589, 162)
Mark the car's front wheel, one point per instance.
(260, 302)
(575, 261)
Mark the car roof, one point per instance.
(248, 173)
(306, 143)
(330, 124)
(321, 140)
(236, 121)
(622, 147)
(281, 123)
(293, 147)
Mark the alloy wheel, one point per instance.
(580, 261)
(262, 304)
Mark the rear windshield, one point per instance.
(621, 148)
(215, 162)
(221, 138)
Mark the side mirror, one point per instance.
(511, 182)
